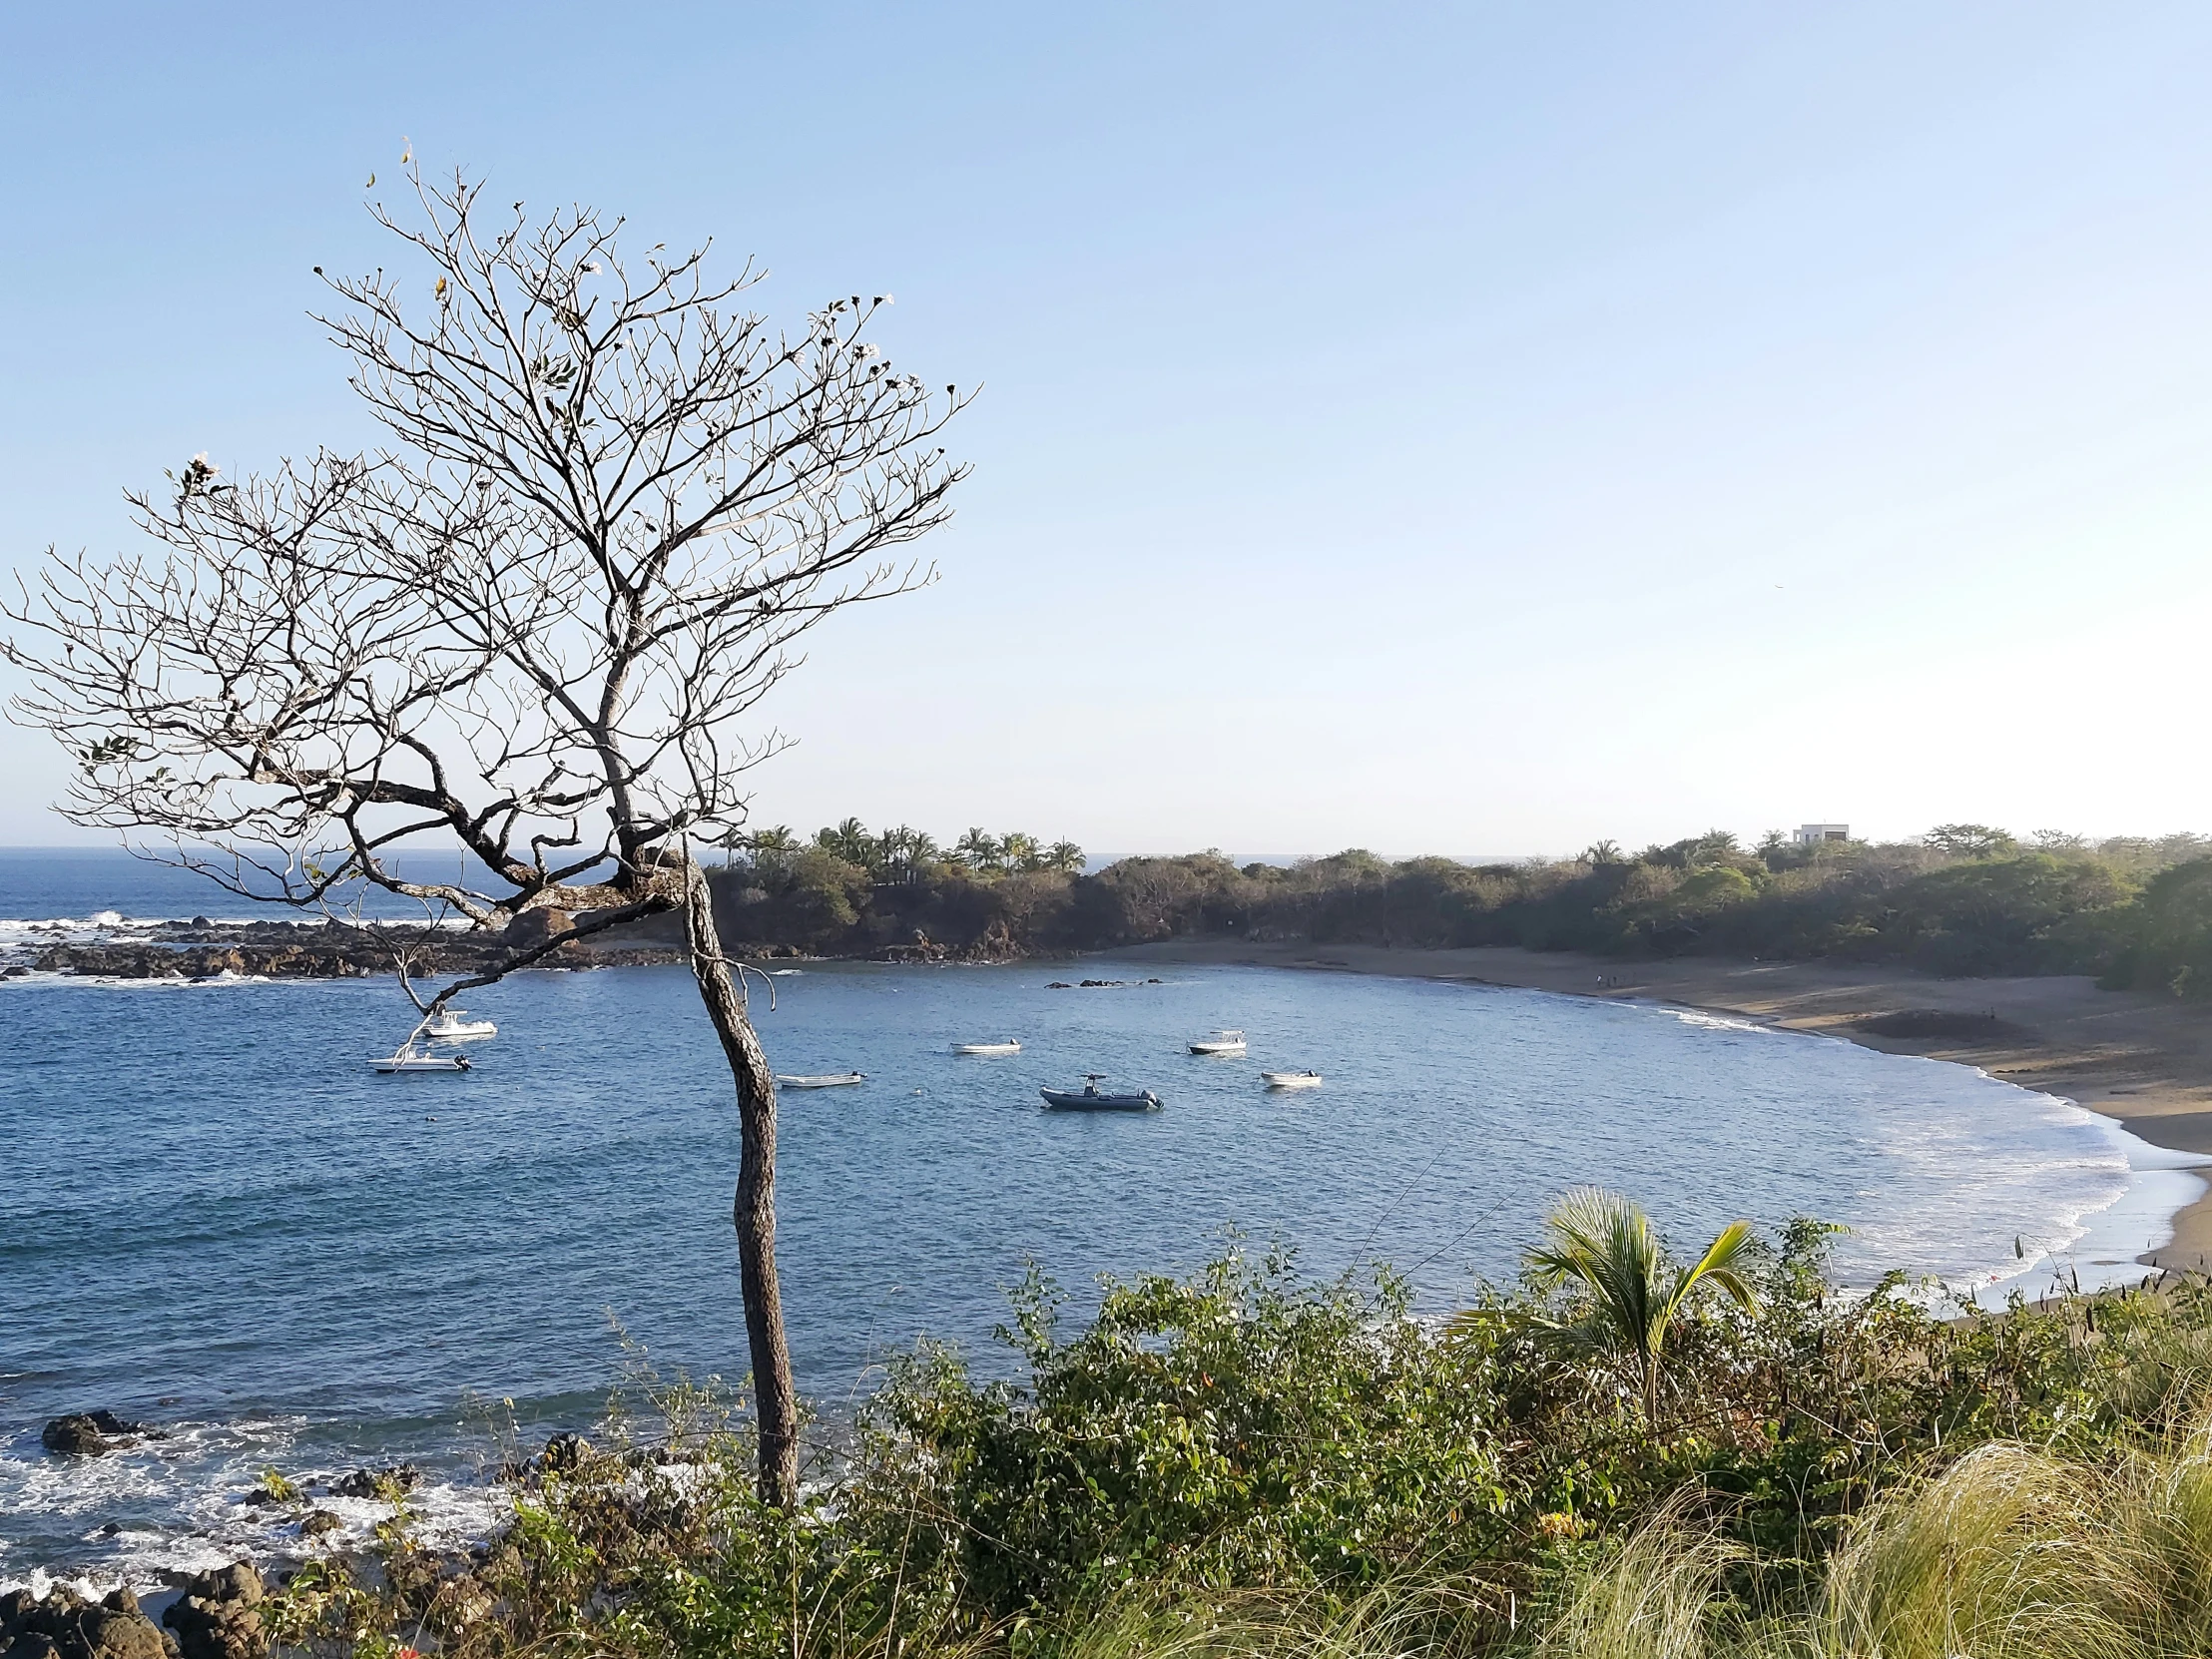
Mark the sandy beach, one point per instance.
(2145, 1062)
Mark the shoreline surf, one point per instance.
(2140, 1064)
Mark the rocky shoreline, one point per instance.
(215, 1615)
(223, 1612)
(203, 949)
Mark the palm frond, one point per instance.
(1719, 1265)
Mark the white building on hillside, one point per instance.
(1812, 835)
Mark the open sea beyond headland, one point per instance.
(217, 1219)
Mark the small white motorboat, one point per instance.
(1005, 1045)
(452, 1026)
(1219, 1042)
(1291, 1079)
(411, 1058)
(834, 1080)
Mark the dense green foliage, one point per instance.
(1248, 1463)
(1966, 899)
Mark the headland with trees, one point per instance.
(1963, 899)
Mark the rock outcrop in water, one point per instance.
(404, 1477)
(308, 951)
(89, 1434)
(63, 1625)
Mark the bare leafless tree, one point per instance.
(532, 622)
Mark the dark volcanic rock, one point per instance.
(294, 951)
(88, 1433)
(371, 1482)
(219, 1616)
(533, 927)
(76, 1434)
(924, 951)
(65, 1626)
(564, 1454)
(319, 1522)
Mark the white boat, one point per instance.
(411, 1058)
(1291, 1079)
(451, 1025)
(1219, 1042)
(1005, 1046)
(836, 1081)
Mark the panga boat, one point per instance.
(1006, 1046)
(452, 1026)
(1219, 1042)
(1089, 1099)
(411, 1058)
(834, 1080)
(1291, 1079)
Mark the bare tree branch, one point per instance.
(532, 624)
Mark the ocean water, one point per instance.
(217, 1219)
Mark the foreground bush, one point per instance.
(1245, 1463)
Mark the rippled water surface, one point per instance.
(218, 1219)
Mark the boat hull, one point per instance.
(986, 1048)
(845, 1081)
(1291, 1079)
(1080, 1100)
(1217, 1049)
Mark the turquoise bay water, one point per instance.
(219, 1220)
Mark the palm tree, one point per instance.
(1065, 856)
(769, 848)
(979, 850)
(905, 850)
(1629, 1290)
(1020, 851)
(853, 842)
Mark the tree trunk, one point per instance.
(755, 1210)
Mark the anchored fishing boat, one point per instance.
(833, 1080)
(1219, 1042)
(1005, 1045)
(1291, 1079)
(452, 1026)
(1089, 1098)
(411, 1058)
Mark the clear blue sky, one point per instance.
(1477, 429)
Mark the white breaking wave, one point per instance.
(1716, 1023)
(150, 982)
(2104, 1195)
(178, 1506)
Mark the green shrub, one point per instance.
(1246, 1462)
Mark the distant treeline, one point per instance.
(1963, 899)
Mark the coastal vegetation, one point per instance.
(1248, 1461)
(1963, 899)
